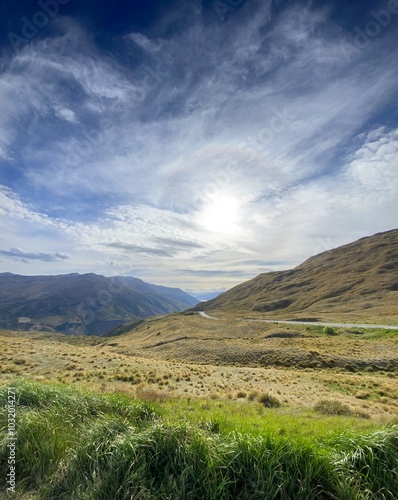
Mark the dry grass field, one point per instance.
(187, 356)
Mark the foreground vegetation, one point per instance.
(74, 444)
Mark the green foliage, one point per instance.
(74, 444)
(329, 330)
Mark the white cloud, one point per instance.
(145, 43)
(66, 113)
(12, 206)
(373, 170)
(3, 154)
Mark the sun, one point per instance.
(221, 215)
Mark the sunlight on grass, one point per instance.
(80, 444)
(254, 419)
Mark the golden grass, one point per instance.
(188, 356)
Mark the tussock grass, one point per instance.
(269, 401)
(51, 419)
(332, 407)
(76, 444)
(223, 358)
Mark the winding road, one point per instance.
(314, 323)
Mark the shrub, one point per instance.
(252, 395)
(329, 330)
(331, 407)
(269, 401)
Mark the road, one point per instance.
(314, 323)
(204, 315)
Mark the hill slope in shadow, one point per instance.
(82, 303)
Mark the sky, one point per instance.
(194, 144)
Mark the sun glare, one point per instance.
(220, 215)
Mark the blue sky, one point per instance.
(194, 143)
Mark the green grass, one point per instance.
(356, 332)
(378, 333)
(253, 418)
(80, 445)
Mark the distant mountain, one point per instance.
(87, 304)
(359, 279)
(208, 295)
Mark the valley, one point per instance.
(185, 355)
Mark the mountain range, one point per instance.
(357, 280)
(87, 304)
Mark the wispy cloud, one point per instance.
(65, 113)
(129, 247)
(210, 272)
(170, 242)
(20, 255)
(3, 154)
(373, 168)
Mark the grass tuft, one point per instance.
(269, 401)
(332, 407)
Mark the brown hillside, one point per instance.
(354, 281)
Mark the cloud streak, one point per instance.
(20, 255)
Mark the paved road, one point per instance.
(337, 325)
(314, 323)
(204, 315)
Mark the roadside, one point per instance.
(313, 323)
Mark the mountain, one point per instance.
(358, 280)
(83, 303)
(202, 296)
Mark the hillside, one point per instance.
(82, 304)
(358, 280)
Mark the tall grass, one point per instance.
(370, 463)
(77, 445)
(184, 462)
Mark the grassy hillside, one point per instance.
(75, 444)
(353, 282)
